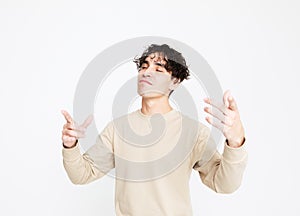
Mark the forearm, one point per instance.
(80, 168)
(228, 176)
(223, 173)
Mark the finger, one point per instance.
(227, 93)
(215, 113)
(87, 122)
(216, 104)
(67, 116)
(207, 100)
(74, 127)
(70, 126)
(232, 103)
(226, 120)
(215, 123)
(73, 133)
(70, 133)
(80, 129)
(66, 139)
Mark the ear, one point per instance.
(174, 83)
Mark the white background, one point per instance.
(253, 47)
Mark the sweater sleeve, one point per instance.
(222, 173)
(94, 163)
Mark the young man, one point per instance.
(176, 145)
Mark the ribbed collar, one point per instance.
(167, 115)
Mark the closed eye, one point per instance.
(143, 67)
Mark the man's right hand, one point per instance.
(71, 131)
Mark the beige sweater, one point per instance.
(152, 162)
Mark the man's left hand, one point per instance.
(226, 118)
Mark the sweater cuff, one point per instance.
(234, 155)
(70, 154)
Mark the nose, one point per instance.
(148, 72)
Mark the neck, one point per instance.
(155, 105)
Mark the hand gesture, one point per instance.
(226, 119)
(71, 131)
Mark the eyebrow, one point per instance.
(159, 64)
(156, 63)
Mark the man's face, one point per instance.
(153, 79)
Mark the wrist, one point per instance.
(72, 146)
(236, 144)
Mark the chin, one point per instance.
(149, 95)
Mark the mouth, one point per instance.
(145, 81)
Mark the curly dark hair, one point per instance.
(175, 62)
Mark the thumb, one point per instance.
(232, 103)
(227, 93)
(88, 121)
